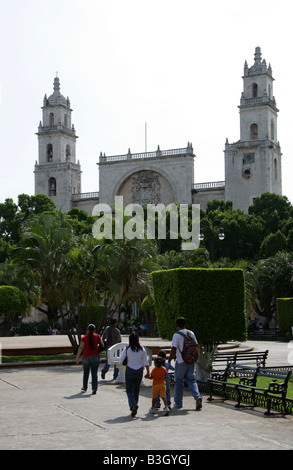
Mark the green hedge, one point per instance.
(12, 300)
(211, 300)
(285, 314)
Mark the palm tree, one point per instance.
(46, 239)
(127, 277)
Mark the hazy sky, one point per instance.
(176, 66)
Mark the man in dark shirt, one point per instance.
(111, 336)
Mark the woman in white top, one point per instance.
(136, 361)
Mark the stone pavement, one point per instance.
(44, 409)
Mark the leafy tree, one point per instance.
(273, 209)
(127, 278)
(84, 272)
(13, 302)
(12, 215)
(269, 279)
(243, 232)
(183, 259)
(272, 244)
(9, 222)
(38, 204)
(45, 240)
(80, 221)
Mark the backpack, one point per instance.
(190, 351)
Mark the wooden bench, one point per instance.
(257, 357)
(274, 394)
(220, 386)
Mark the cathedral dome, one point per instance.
(56, 98)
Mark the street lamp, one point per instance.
(221, 236)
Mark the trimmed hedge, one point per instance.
(285, 314)
(211, 300)
(12, 300)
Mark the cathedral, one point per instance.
(252, 164)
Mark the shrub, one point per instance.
(211, 300)
(12, 303)
(285, 314)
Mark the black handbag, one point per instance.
(124, 363)
(101, 345)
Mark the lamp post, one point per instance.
(221, 236)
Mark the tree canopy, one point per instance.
(54, 259)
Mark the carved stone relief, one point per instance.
(146, 188)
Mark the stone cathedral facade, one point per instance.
(252, 164)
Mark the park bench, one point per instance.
(246, 391)
(220, 386)
(266, 334)
(274, 394)
(257, 357)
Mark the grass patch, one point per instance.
(38, 357)
(42, 357)
(263, 382)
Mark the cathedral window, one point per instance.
(65, 120)
(254, 131)
(254, 90)
(272, 130)
(49, 153)
(68, 152)
(52, 190)
(51, 119)
(275, 169)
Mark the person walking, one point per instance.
(168, 366)
(136, 361)
(183, 371)
(110, 336)
(158, 375)
(88, 347)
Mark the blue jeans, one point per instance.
(133, 380)
(184, 371)
(91, 363)
(107, 366)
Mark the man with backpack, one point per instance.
(184, 348)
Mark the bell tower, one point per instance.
(253, 164)
(56, 173)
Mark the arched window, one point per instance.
(49, 153)
(254, 131)
(275, 169)
(68, 153)
(65, 120)
(254, 90)
(246, 173)
(51, 119)
(52, 189)
(272, 129)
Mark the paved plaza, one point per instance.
(42, 408)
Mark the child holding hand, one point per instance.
(159, 385)
(168, 367)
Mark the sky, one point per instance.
(138, 73)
